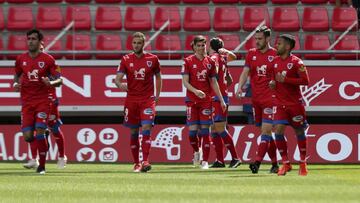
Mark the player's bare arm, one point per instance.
(188, 86)
(158, 87)
(229, 54)
(242, 80)
(229, 79)
(215, 87)
(119, 83)
(17, 84)
(55, 83)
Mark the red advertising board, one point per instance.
(95, 86)
(110, 143)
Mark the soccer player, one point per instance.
(289, 74)
(139, 110)
(31, 78)
(258, 67)
(199, 76)
(54, 123)
(219, 134)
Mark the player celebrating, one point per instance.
(289, 74)
(199, 76)
(139, 109)
(258, 66)
(221, 56)
(34, 67)
(54, 123)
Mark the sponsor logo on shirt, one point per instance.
(268, 111)
(206, 112)
(208, 66)
(41, 64)
(33, 75)
(201, 76)
(290, 65)
(148, 111)
(149, 63)
(140, 74)
(42, 115)
(261, 70)
(297, 118)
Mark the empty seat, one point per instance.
(225, 1)
(20, 18)
(49, 18)
(129, 43)
(253, 16)
(231, 41)
(317, 42)
(197, 19)
(253, 1)
(107, 1)
(349, 42)
(56, 47)
(189, 39)
(315, 19)
(314, 1)
(79, 42)
(284, 1)
(226, 19)
(162, 14)
(137, 18)
(167, 1)
(343, 18)
(297, 44)
(16, 43)
(108, 42)
(77, 1)
(2, 22)
(137, 1)
(49, 1)
(168, 43)
(20, 1)
(196, 1)
(81, 16)
(251, 43)
(108, 18)
(285, 19)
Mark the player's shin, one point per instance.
(134, 146)
(272, 151)
(43, 148)
(218, 145)
(194, 142)
(263, 147)
(229, 144)
(281, 144)
(146, 144)
(34, 149)
(59, 139)
(301, 140)
(205, 134)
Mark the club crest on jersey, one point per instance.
(208, 66)
(149, 63)
(41, 64)
(270, 58)
(290, 65)
(254, 58)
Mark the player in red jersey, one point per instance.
(199, 77)
(258, 67)
(32, 71)
(139, 110)
(289, 74)
(219, 134)
(54, 123)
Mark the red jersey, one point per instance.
(222, 73)
(260, 73)
(200, 72)
(288, 92)
(140, 74)
(32, 70)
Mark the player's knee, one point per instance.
(192, 133)
(29, 138)
(279, 137)
(146, 132)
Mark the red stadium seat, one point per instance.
(1, 46)
(2, 22)
(317, 42)
(196, 1)
(342, 1)
(284, 1)
(20, 18)
(81, 16)
(343, 18)
(197, 19)
(349, 42)
(49, 1)
(49, 18)
(297, 44)
(226, 19)
(286, 19)
(253, 17)
(108, 18)
(129, 43)
(77, 1)
(253, 1)
(80, 42)
(56, 47)
(189, 39)
(167, 1)
(250, 44)
(231, 41)
(108, 42)
(20, 1)
(137, 1)
(16, 43)
(225, 1)
(314, 1)
(168, 43)
(315, 19)
(138, 18)
(162, 14)
(107, 1)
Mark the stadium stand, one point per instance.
(16, 43)
(197, 19)
(168, 42)
(285, 19)
(317, 42)
(49, 18)
(315, 19)
(349, 42)
(253, 16)
(78, 42)
(108, 18)
(226, 19)
(80, 15)
(138, 19)
(56, 47)
(108, 42)
(20, 18)
(162, 14)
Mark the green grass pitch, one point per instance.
(177, 183)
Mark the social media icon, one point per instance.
(86, 154)
(86, 136)
(108, 154)
(108, 136)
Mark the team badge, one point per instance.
(254, 58)
(208, 66)
(41, 64)
(290, 65)
(149, 63)
(270, 58)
